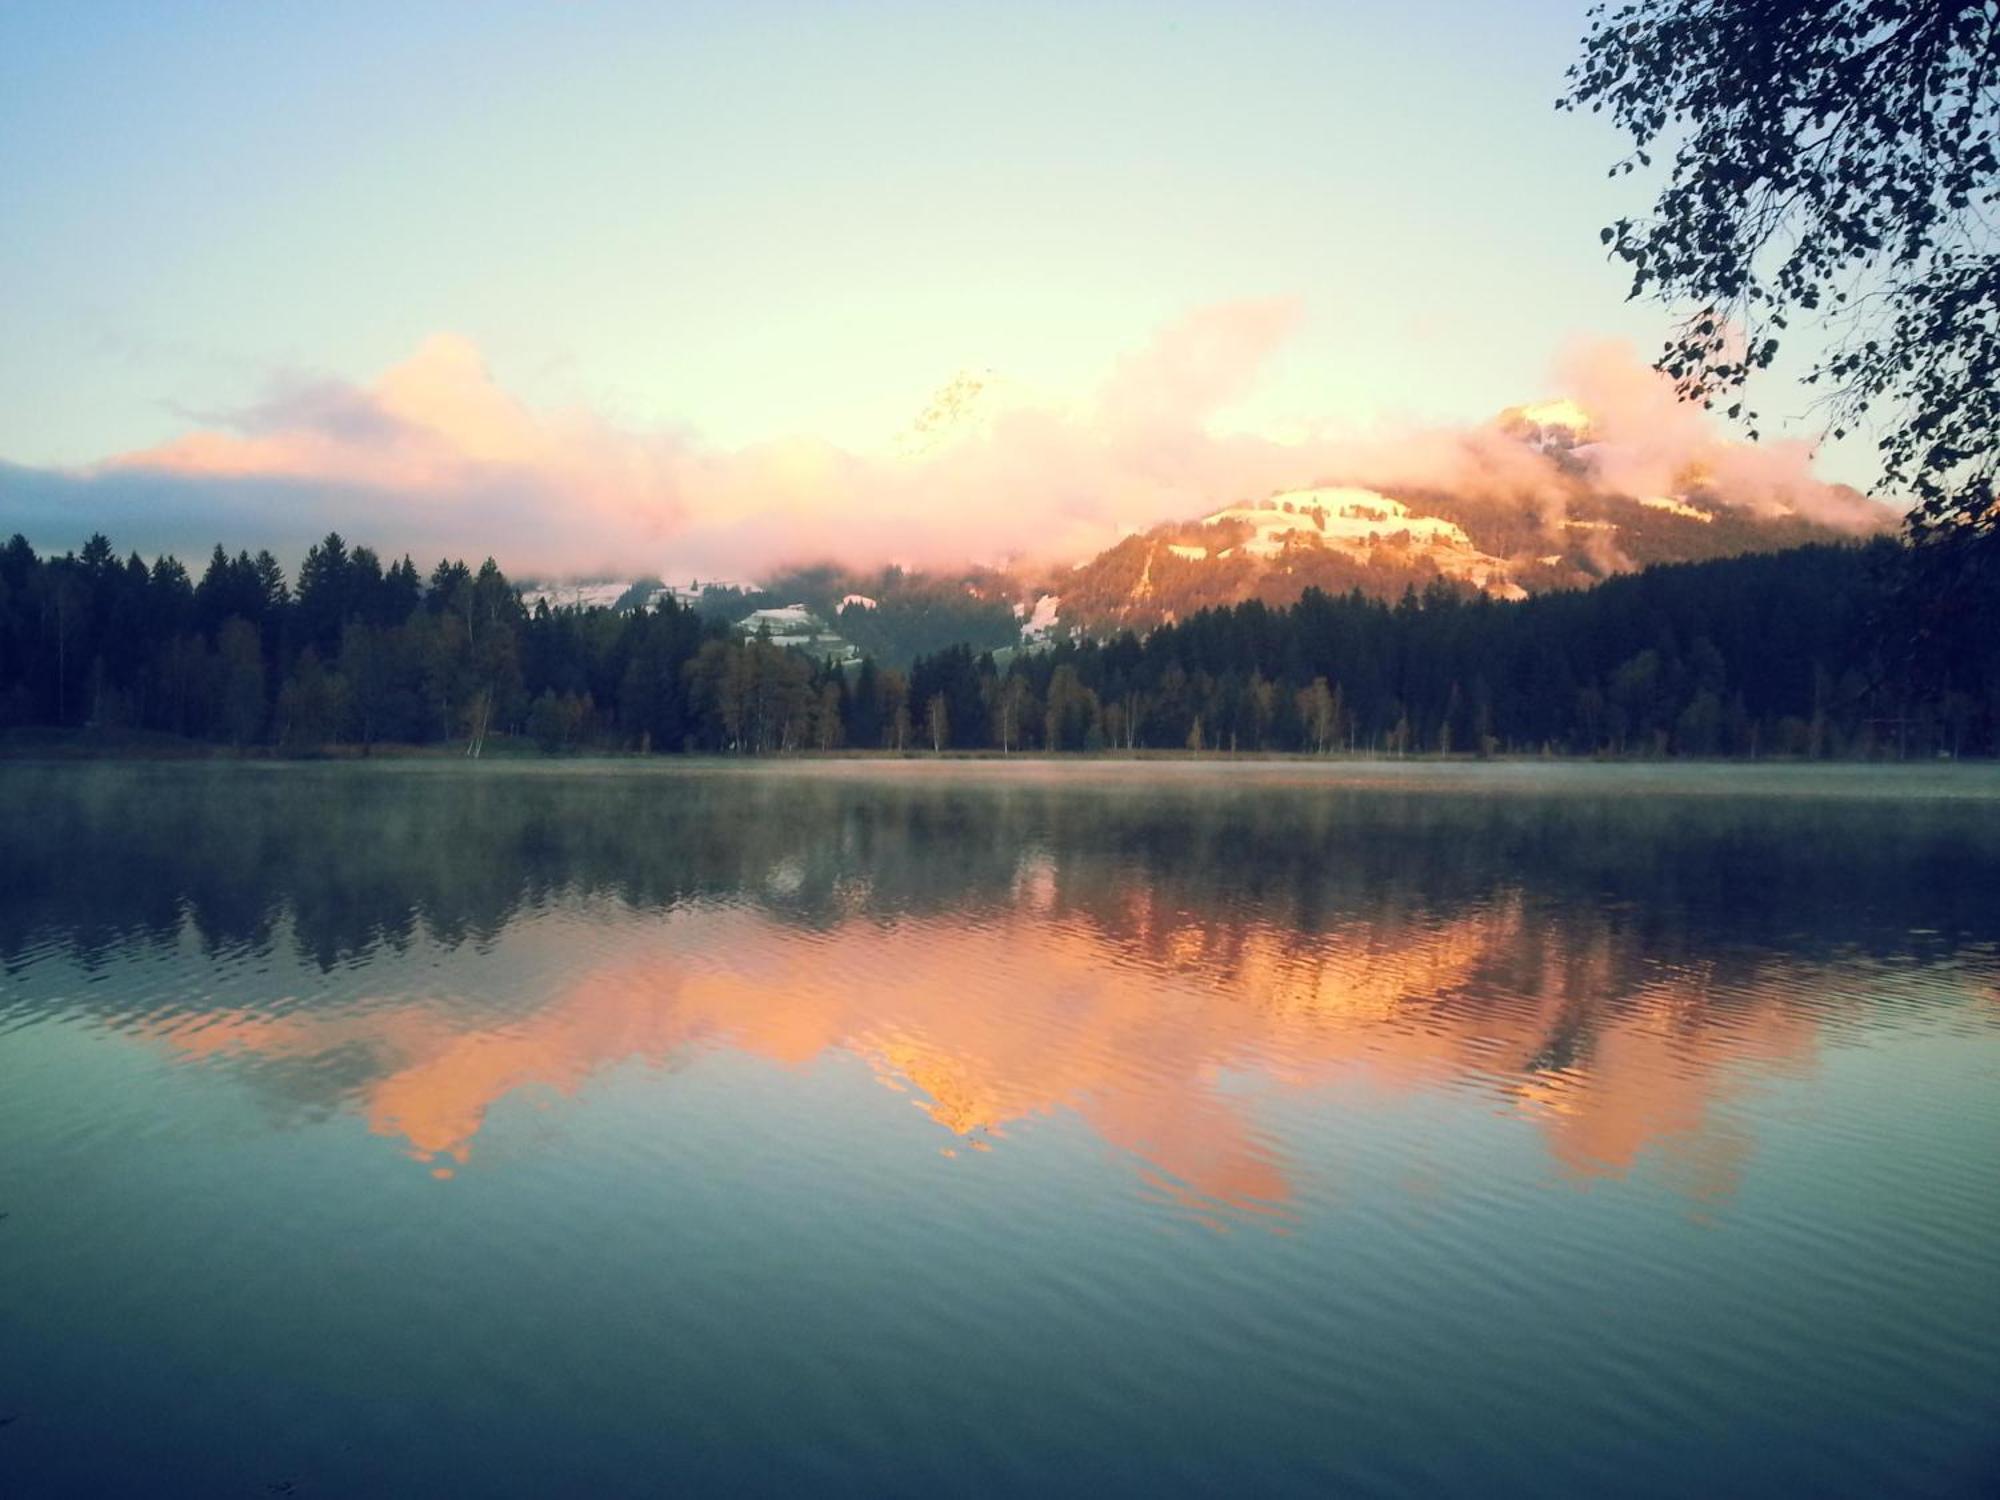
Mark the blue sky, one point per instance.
(758, 218)
(741, 222)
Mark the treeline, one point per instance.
(1818, 651)
(1821, 651)
(354, 653)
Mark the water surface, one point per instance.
(427, 1128)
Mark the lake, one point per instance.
(934, 1128)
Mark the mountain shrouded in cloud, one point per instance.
(434, 456)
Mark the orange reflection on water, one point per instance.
(1161, 1031)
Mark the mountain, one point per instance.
(1542, 497)
(1559, 522)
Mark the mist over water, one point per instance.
(893, 1128)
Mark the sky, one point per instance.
(599, 277)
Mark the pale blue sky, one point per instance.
(708, 227)
(754, 219)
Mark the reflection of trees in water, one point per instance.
(1596, 960)
(357, 856)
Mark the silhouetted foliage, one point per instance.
(1778, 654)
(1799, 653)
(1835, 158)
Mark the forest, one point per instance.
(1819, 651)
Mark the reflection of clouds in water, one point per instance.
(1130, 1030)
(1035, 883)
(1156, 954)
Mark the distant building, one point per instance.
(786, 619)
(795, 626)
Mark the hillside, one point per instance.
(1541, 498)
(1563, 527)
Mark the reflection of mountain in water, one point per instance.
(1158, 957)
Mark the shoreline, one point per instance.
(87, 745)
(1971, 781)
(93, 746)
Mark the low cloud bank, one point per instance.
(435, 458)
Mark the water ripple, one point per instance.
(838, 1132)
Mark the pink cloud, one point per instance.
(434, 454)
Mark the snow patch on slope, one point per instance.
(1355, 521)
(1676, 507)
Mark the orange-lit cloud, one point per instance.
(434, 456)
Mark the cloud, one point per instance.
(434, 457)
(1648, 443)
(1196, 366)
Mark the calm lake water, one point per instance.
(434, 1129)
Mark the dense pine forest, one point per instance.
(1830, 651)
